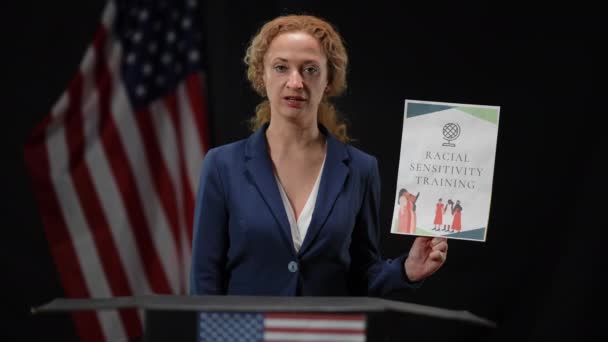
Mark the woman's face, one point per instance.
(402, 200)
(295, 76)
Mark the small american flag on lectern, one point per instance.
(215, 326)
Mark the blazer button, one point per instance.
(292, 266)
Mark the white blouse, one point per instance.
(300, 227)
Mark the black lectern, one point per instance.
(179, 318)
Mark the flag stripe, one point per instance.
(162, 180)
(96, 114)
(164, 127)
(94, 280)
(186, 255)
(197, 97)
(185, 193)
(194, 152)
(312, 337)
(93, 214)
(312, 316)
(62, 248)
(95, 109)
(70, 208)
(92, 179)
(301, 323)
(316, 330)
(127, 202)
(155, 216)
(314, 327)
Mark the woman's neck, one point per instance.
(285, 137)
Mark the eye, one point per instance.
(311, 70)
(280, 68)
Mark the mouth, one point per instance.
(295, 101)
(294, 98)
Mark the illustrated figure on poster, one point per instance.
(438, 215)
(448, 216)
(407, 212)
(457, 219)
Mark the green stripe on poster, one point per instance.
(488, 114)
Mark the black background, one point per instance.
(538, 273)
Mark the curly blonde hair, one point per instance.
(337, 61)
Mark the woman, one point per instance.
(448, 215)
(438, 221)
(457, 220)
(407, 213)
(293, 210)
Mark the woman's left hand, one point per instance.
(426, 256)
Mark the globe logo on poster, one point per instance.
(451, 132)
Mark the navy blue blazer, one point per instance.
(242, 238)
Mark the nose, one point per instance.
(295, 80)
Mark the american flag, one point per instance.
(115, 164)
(216, 326)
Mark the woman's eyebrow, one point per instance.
(307, 61)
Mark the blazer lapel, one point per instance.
(259, 166)
(333, 177)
